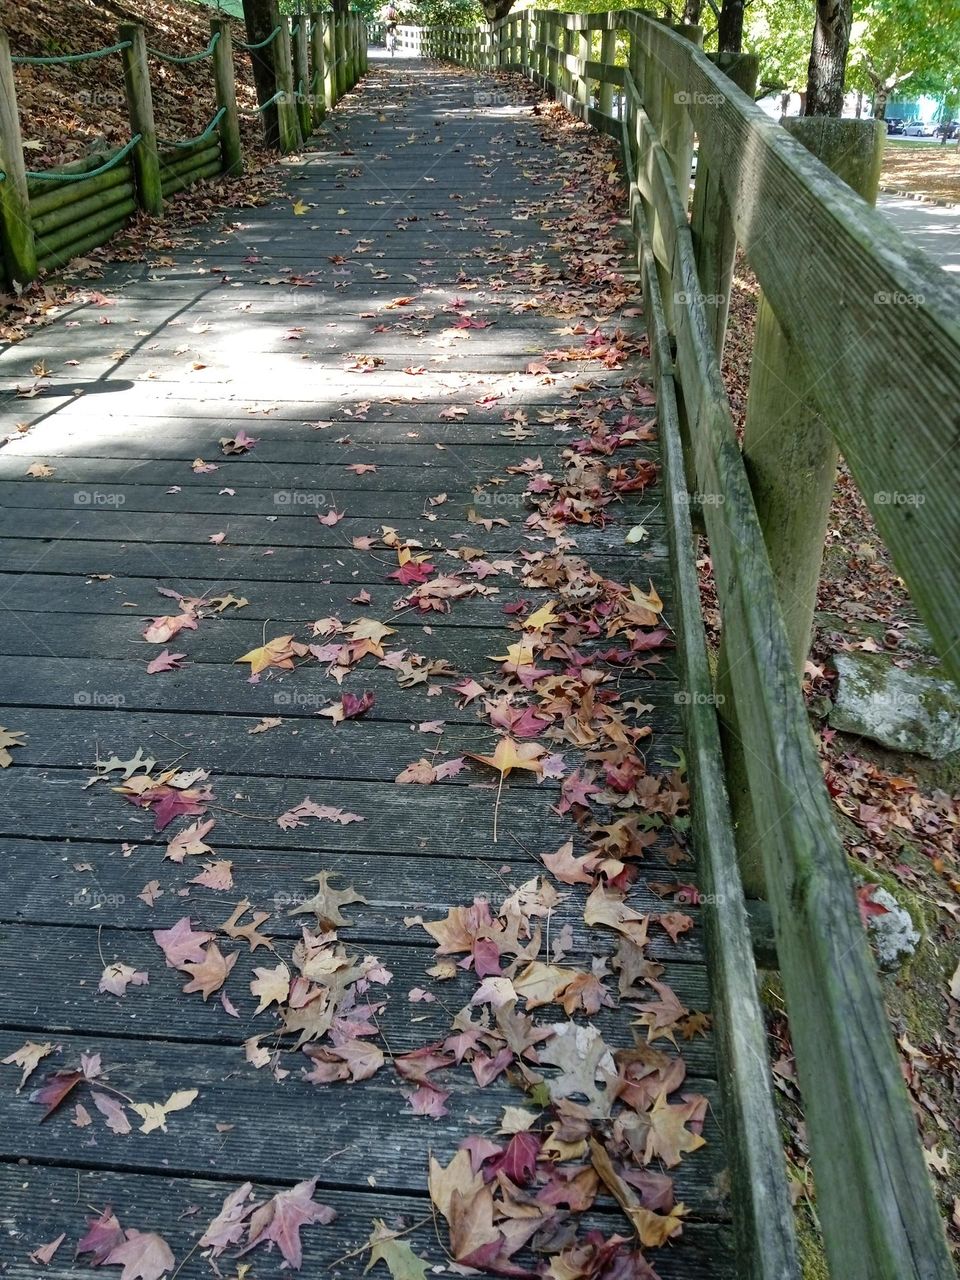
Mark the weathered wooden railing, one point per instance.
(844, 298)
(51, 216)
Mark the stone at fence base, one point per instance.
(904, 708)
(893, 932)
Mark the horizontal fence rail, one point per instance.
(844, 295)
(48, 217)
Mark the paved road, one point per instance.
(931, 227)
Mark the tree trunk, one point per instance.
(494, 10)
(691, 12)
(828, 58)
(880, 101)
(260, 18)
(730, 26)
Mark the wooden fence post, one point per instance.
(317, 64)
(301, 73)
(714, 241)
(582, 81)
(340, 70)
(676, 127)
(608, 53)
(791, 461)
(16, 229)
(283, 72)
(223, 77)
(146, 159)
(364, 46)
(525, 59)
(329, 61)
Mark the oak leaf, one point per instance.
(326, 902)
(154, 1114)
(9, 738)
(27, 1058)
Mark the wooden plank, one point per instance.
(376, 748)
(240, 563)
(396, 886)
(159, 1011)
(294, 601)
(390, 823)
(372, 1138)
(40, 1202)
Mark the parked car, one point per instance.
(894, 126)
(917, 129)
(948, 129)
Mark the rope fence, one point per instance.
(200, 137)
(190, 57)
(60, 175)
(241, 44)
(322, 55)
(61, 59)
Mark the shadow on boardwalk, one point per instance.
(431, 346)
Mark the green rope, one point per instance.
(72, 57)
(52, 175)
(263, 43)
(192, 57)
(295, 29)
(263, 105)
(189, 142)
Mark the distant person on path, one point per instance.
(390, 17)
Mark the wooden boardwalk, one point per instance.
(385, 335)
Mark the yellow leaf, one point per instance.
(275, 653)
(510, 755)
(543, 617)
(299, 208)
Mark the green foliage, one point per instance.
(897, 40)
(444, 13)
(780, 32)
